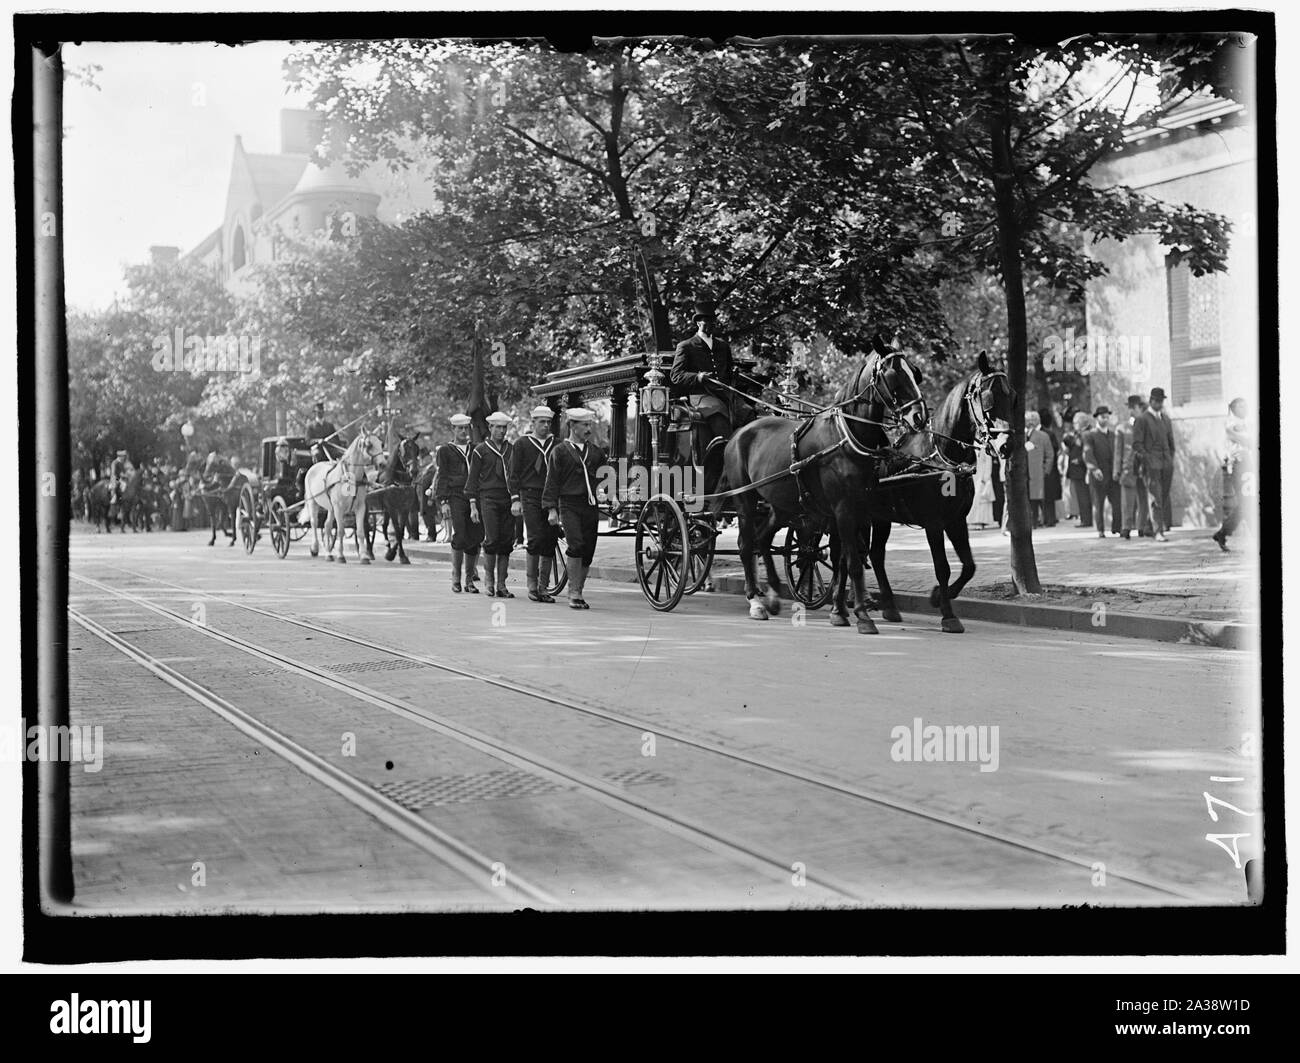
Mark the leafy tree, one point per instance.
(1013, 128)
(118, 397)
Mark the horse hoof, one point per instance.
(867, 626)
(773, 603)
(934, 597)
(839, 621)
(315, 553)
(757, 611)
(952, 625)
(892, 615)
(404, 559)
(365, 560)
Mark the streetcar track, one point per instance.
(414, 828)
(704, 745)
(598, 789)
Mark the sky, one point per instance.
(146, 157)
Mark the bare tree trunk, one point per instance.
(1024, 567)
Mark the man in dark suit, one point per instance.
(1099, 459)
(700, 363)
(1153, 444)
(324, 437)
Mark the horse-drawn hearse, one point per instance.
(833, 477)
(661, 469)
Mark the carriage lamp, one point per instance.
(652, 401)
(654, 395)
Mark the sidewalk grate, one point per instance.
(393, 665)
(636, 777)
(419, 794)
(463, 789)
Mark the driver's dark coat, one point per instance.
(692, 357)
(320, 430)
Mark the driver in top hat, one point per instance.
(324, 437)
(700, 364)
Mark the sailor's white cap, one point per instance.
(579, 414)
(500, 418)
(542, 411)
(460, 420)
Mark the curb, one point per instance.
(1224, 634)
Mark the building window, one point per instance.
(1195, 357)
(238, 252)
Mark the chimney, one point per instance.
(300, 131)
(164, 256)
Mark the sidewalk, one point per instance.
(1185, 590)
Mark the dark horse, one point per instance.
(136, 504)
(976, 415)
(220, 495)
(824, 466)
(102, 509)
(399, 498)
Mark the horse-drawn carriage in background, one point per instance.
(274, 497)
(655, 452)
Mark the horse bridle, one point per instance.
(877, 385)
(979, 415)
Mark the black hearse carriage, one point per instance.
(660, 482)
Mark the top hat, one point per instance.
(1135, 400)
(320, 406)
(1157, 393)
(1100, 410)
(706, 307)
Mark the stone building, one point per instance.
(285, 193)
(1196, 337)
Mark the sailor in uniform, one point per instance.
(449, 490)
(528, 474)
(489, 489)
(573, 472)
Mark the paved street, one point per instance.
(622, 757)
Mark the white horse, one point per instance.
(339, 487)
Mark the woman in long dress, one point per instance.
(981, 512)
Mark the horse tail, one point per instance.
(717, 501)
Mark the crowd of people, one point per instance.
(1127, 463)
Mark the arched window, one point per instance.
(238, 253)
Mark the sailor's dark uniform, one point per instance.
(572, 473)
(528, 473)
(489, 482)
(453, 473)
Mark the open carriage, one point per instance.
(659, 474)
(274, 501)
